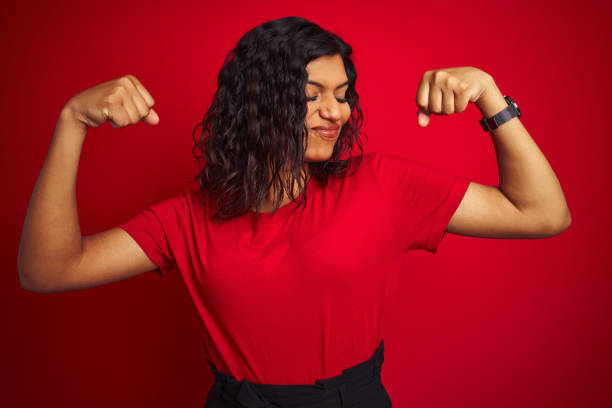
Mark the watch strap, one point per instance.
(492, 123)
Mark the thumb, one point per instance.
(422, 118)
(152, 118)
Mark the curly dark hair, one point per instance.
(255, 127)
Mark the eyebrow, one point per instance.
(321, 86)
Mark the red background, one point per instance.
(483, 323)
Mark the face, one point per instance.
(328, 110)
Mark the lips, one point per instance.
(327, 131)
(327, 127)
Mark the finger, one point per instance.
(141, 105)
(422, 95)
(117, 116)
(461, 101)
(448, 101)
(142, 90)
(131, 110)
(422, 118)
(152, 118)
(435, 99)
(145, 113)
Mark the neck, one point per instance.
(267, 205)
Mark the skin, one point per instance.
(326, 105)
(529, 201)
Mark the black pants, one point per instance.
(359, 386)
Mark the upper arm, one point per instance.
(486, 212)
(108, 256)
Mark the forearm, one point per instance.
(51, 235)
(525, 176)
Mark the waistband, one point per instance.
(349, 386)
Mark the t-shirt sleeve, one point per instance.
(156, 230)
(421, 199)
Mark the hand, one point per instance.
(449, 90)
(122, 101)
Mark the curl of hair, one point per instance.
(255, 131)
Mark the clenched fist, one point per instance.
(122, 101)
(449, 90)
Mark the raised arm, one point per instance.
(529, 201)
(53, 255)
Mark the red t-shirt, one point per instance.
(300, 295)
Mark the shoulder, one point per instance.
(360, 161)
(376, 165)
(178, 207)
(384, 164)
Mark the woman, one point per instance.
(291, 246)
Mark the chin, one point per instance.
(318, 156)
(319, 150)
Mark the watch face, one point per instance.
(511, 102)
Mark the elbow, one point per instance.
(27, 281)
(561, 225)
(28, 285)
(566, 222)
(35, 275)
(24, 280)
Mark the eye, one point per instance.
(314, 98)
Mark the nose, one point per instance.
(330, 108)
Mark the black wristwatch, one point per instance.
(492, 123)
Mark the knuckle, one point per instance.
(463, 86)
(125, 81)
(111, 100)
(482, 72)
(439, 76)
(142, 111)
(449, 81)
(118, 92)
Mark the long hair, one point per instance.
(255, 131)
